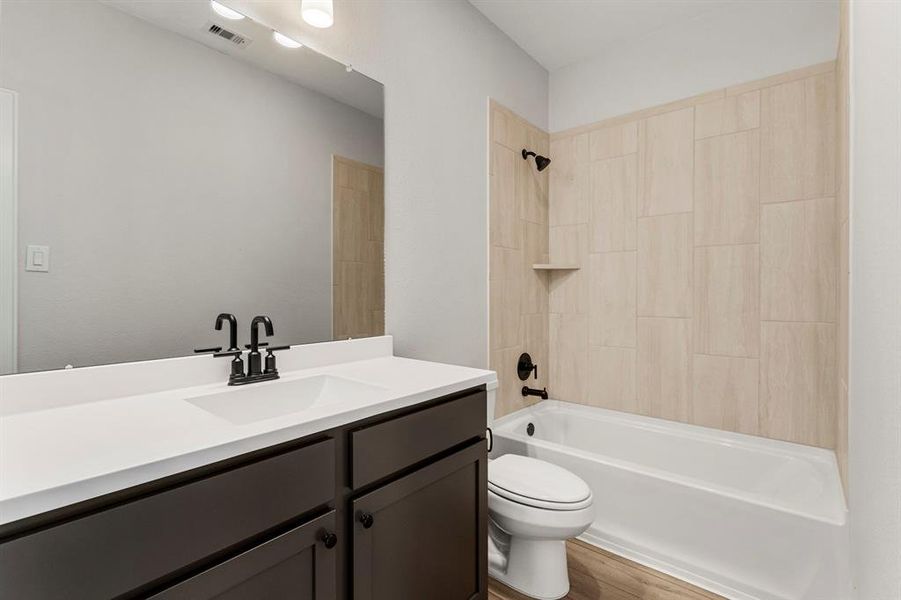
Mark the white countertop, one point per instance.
(61, 455)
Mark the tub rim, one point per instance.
(837, 515)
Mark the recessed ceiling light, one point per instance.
(318, 13)
(225, 12)
(285, 40)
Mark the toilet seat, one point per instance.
(537, 483)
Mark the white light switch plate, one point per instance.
(37, 258)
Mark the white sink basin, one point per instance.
(260, 401)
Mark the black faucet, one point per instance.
(254, 359)
(527, 391)
(232, 329)
(237, 366)
(232, 334)
(255, 370)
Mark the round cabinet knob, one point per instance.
(366, 520)
(329, 539)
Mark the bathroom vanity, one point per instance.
(382, 496)
(342, 471)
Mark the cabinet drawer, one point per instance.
(297, 565)
(112, 552)
(387, 447)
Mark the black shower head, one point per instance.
(540, 161)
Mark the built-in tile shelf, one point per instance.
(553, 267)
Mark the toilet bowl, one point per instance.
(533, 508)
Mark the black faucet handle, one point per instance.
(206, 350)
(270, 368)
(525, 367)
(237, 363)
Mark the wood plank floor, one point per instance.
(596, 574)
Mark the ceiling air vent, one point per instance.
(229, 36)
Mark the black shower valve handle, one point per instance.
(525, 367)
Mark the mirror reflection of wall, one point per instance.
(170, 174)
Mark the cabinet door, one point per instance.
(298, 564)
(425, 535)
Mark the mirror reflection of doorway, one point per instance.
(8, 260)
(358, 249)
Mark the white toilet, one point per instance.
(533, 508)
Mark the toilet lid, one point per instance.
(537, 483)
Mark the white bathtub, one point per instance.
(742, 516)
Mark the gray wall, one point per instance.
(874, 394)
(440, 61)
(171, 183)
(732, 44)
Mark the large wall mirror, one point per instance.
(161, 163)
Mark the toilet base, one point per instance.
(536, 568)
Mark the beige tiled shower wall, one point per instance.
(707, 232)
(518, 237)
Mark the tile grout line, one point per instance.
(759, 428)
(693, 275)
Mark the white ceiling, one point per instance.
(303, 66)
(557, 33)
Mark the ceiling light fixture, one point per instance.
(285, 41)
(318, 13)
(225, 12)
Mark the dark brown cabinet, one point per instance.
(423, 535)
(385, 447)
(299, 564)
(135, 543)
(393, 507)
